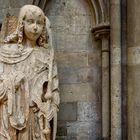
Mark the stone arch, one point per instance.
(100, 9)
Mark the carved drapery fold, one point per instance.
(28, 79)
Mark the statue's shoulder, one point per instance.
(9, 46)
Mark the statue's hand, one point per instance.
(48, 96)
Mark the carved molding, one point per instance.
(102, 25)
(101, 8)
(101, 30)
(41, 3)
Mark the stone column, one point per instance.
(102, 32)
(115, 70)
(133, 69)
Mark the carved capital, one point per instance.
(101, 30)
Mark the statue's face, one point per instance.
(33, 25)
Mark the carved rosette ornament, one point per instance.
(29, 93)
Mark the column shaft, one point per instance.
(116, 132)
(105, 88)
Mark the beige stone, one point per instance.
(133, 61)
(29, 92)
(116, 82)
(71, 93)
(72, 21)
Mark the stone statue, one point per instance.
(29, 94)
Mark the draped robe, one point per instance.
(24, 78)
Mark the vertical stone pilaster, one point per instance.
(105, 88)
(133, 69)
(102, 32)
(115, 70)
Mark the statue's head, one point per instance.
(31, 25)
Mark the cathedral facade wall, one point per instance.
(97, 51)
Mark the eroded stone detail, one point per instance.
(29, 95)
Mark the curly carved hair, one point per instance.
(18, 35)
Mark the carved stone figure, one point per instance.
(29, 94)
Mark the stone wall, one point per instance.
(133, 56)
(78, 57)
(79, 66)
(11, 7)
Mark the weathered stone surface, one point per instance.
(4, 4)
(133, 56)
(79, 59)
(86, 92)
(78, 64)
(133, 69)
(72, 59)
(84, 130)
(94, 59)
(79, 67)
(71, 75)
(29, 92)
(11, 6)
(67, 138)
(68, 111)
(62, 130)
(87, 111)
(87, 126)
(73, 43)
